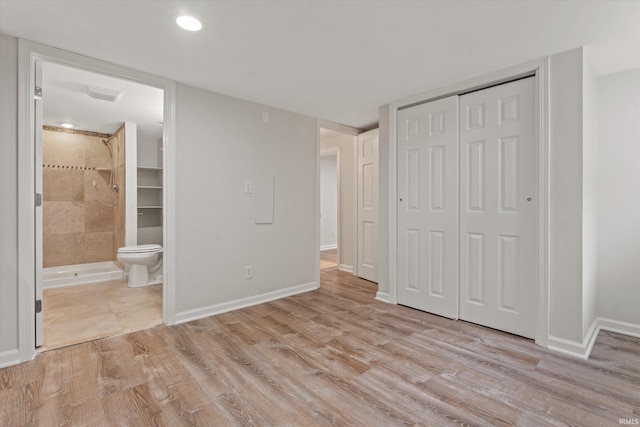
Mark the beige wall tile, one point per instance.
(63, 217)
(97, 217)
(59, 148)
(95, 193)
(62, 249)
(62, 184)
(97, 154)
(98, 247)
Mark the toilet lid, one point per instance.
(140, 249)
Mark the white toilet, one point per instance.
(144, 263)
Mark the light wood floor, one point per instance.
(328, 258)
(77, 314)
(334, 356)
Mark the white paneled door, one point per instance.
(367, 263)
(428, 207)
(498, 205)
(467, 208)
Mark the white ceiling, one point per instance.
(66, 99)
(335, 60)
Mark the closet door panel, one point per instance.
(428, 207)
(498, 205)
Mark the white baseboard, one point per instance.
(383, 296)
(583, 350)
(346, 268)
(328, 247)
(10, 358)
(619, 327)
(212, 310)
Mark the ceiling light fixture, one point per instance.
(189, 23)
(67, 125)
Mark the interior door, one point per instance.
(428, 207)
(38, 100)
(498, 204)
(367, 263)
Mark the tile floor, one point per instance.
(83, 313)
(328, 258)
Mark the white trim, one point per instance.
(574, 348)
(212, 310)
(28, 53)
(326, 124)
(540, 69)
(383, 296)
(10, 358)
(346, 268)
(583, 350)
(317, 240)
(327, 153)
(619, 327)
(354, 153)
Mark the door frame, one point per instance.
(28, 54)
(326, 124)
(539, 69)
(328, 153)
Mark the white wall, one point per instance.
(589, 194)
(221, 142)
(9, 332)
(384, 224)
(565, 287)
(618, 291)
(345, 145)
(328, 202)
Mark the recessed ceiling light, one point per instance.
(67, 125)
(189, 23)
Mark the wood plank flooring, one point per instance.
(334, 356)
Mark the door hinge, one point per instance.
(37, 95)
(38, 306)
(38, 199)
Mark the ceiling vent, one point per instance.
(104, 94)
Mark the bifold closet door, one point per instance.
(428, 207)
(498, 204)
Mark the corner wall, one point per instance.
(618, 292)
(221, 143)
(9, 302)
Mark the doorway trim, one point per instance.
(539, 69)
(28, 54)
(326, 124)
(328, 153)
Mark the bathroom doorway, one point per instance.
(99, 157)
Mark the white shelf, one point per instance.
(149, 187)
(149, 207)
(151, 168)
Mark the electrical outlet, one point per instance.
(248, 187)
(248, 272)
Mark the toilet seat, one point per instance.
(139, 249)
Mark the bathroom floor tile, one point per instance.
(83, 313)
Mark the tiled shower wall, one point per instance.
(78, 228)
